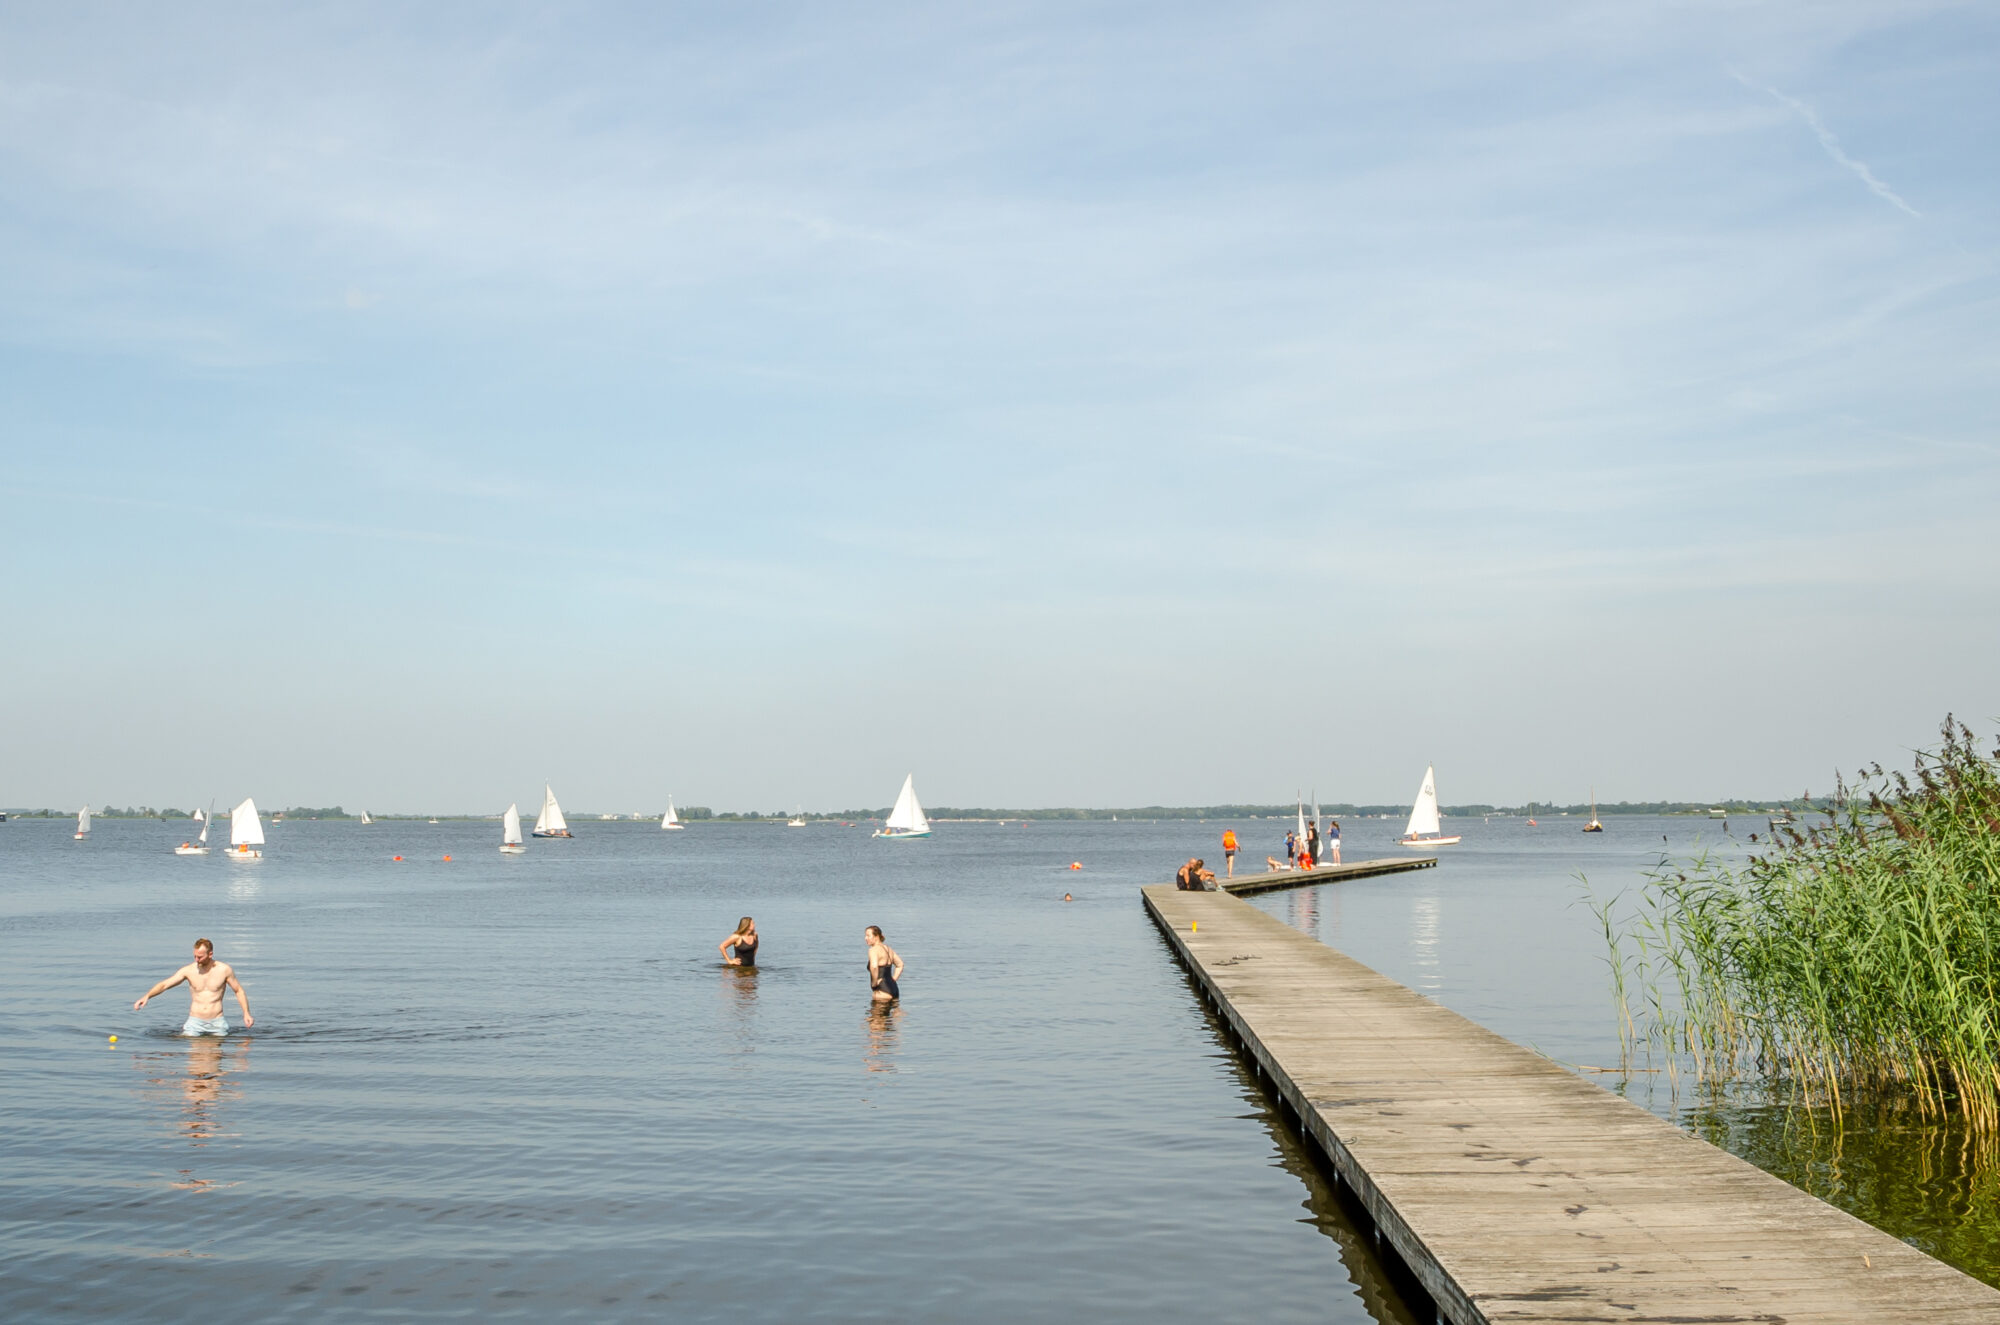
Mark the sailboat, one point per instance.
(907, 819)
(1593, 826)
(670, 820)
(199, 847)
(510, 832)
(798, 819)
(246, 831)
(1423, 829)
(83, 823)
(365, 819)
(1299, 840)
(550, 823)
(198, 816)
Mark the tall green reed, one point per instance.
(1862, 952)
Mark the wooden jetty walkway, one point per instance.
(1511, 1190)
(1271, 881)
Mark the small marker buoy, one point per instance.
(447, 857)
(1076, 864)
(114, 1039)
(395, 857)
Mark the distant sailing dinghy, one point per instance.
(1593, 826)
(671, 821)
(365, 819)
(246, 831)
(510, 832)
(550, 823)
(1423, 829)
(198, 847)
(907, 819)
(83, 823)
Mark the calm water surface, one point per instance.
(526, 1088)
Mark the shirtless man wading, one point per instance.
(206, 979)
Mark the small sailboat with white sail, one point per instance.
(246, 832)
(510, 832)
(1424, 828)
(198, 847)
(365, 819)
(1593, 826)
(83, 823)
(798, 819)
(671, 821)
(550, 822)
(907, 819)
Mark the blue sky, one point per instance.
(1099, 404)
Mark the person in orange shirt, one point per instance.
(1229, 851)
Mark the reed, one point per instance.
(1860, 953)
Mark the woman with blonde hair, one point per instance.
(744, 943)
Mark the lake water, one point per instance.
(526, 1088)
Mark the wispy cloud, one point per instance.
(1830, 143)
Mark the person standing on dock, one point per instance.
(1312, 843)
(1229, 851)
(1291, 847)
(1333, 841)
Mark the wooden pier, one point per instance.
(1511, 1190)
(1271, 881)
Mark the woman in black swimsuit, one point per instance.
(885, 968)
(744, 943)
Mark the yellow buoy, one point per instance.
(1193, 925)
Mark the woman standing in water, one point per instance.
(744, 943)
(885, 968)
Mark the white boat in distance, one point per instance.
(510, 832)
(365, 819)
(198, 847)
(83, 823)
(246, 831)
(550, 822)
(1424, 816)
(907, 819)
(798, 819)
(671, 821)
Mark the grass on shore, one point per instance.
(1861, 953)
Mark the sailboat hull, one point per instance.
(190, 851)
(243, 855)
(79, 836)
(896, 836)
(541, 833)
(513, 849)
(673, 828)
(1421, 842)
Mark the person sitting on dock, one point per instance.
(1193, 877)
(1273, 864)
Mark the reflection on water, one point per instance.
(194, 1088)
(1424, 943)
(881, 1023)
(1930, 1182)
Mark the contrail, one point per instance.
(1830, 143)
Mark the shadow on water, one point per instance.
(1384, 1286)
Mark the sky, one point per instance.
(1072, 404)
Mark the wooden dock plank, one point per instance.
(1271, 881)
(1514, 1190)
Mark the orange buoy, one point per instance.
(395, 857)
(447, 857)
(1076, 864)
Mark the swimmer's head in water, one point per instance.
(875, 932)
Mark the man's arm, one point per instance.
(161, 988)
(242, 999)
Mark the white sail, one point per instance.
(1424, 814)
(199, 817)
(669, 819)
(1300, 832)
(550, 820)
(365, 819)
(908, 816)
(510, 830)
(83, 821)
(245, 828)
(1319, 824)
(204, 831)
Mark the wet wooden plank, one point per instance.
(1515, 1191)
